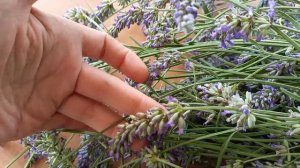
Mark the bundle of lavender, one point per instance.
(236, 102)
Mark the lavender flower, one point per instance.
(158, 31)
(104, 10)
(50, 145)
(185, 14)
(171, 99)
(266, 98)
(188, 66)
(258, 164)
(282, 68)
(134, 15)
(78, 15)
(83, 157)
(162, 64)
(150, 16)
(226, 113)
(271, 11)
(215, 93)
(234, 27)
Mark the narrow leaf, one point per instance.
(223, 150)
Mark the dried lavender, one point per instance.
(234, 106)
(124, 3)
(104, 10)
(267, 98)
(271, 11)
(51, 146)
(93, 151)
(162, 64)
(158, 32)
(185, 14)
(78, 15)
(134, 15)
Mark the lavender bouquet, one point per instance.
(236, 99)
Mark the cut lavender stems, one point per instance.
(235, 101)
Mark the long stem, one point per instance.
(17, 157)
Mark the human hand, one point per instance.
(44, 83)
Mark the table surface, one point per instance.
(9, 150)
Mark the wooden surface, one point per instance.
(9, 150)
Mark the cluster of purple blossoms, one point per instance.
(216, 93)
(188, 66)
(271, 11)
(162, 64)
(52, 146)
(83, 157)
(89, 153)
(158, 32)
(155, 123)
(266, 98)
(150, 16)
(104, 10)
(176, 115)
(140, 126)
(29, 141)
(185, 14)
(134, 15)
(282, 68)
(233, 27)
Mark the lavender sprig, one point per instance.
(185, 14)
(104, 10)
(134, 15)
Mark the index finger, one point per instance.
(99, 45)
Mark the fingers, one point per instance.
(61, 121)
(95, 44)
(89, 112)
(111, 91)
(100, 45)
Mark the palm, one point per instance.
(45, 85)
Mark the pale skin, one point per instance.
(44, 84)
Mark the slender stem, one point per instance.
(29, 161)
(270, 156)
(17, 157)
(166, 162)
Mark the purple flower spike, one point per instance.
(188, 65)
(170, 124)
(258, 164)
(289, 133)
(226, 113)
(171, 99)
(259, 37)
(223, 44)
(271, 11)
(225, 28)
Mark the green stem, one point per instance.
(17, 157)
(166, 162)
(198, 139)
(270, 156)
